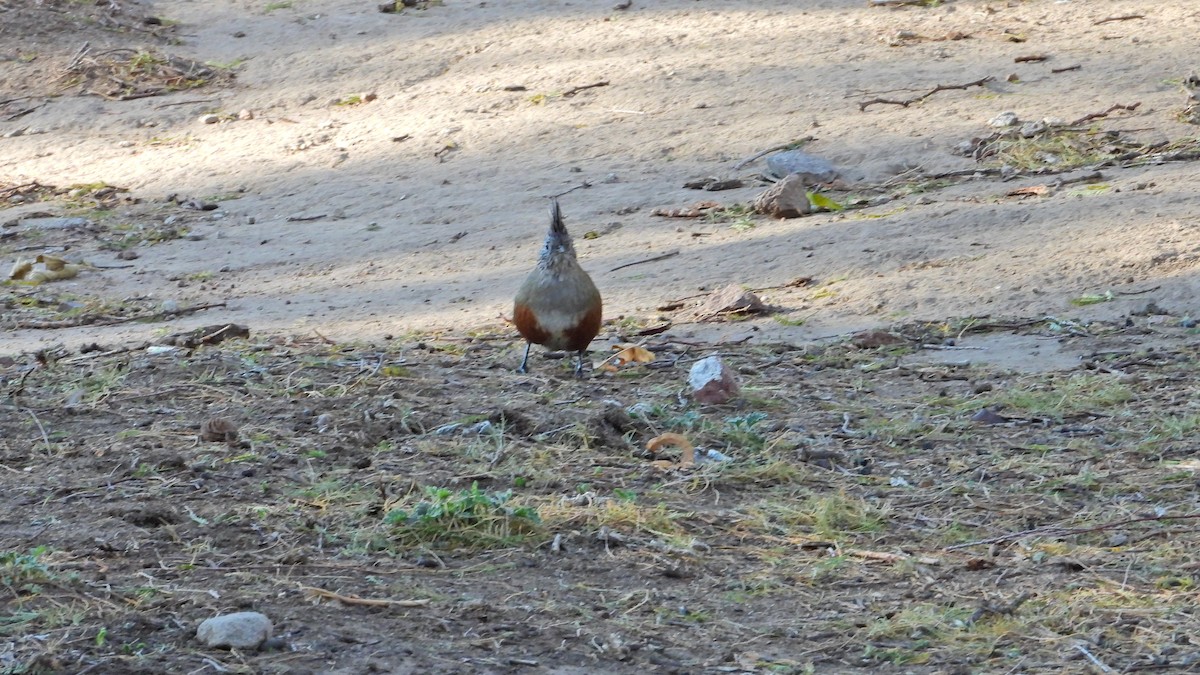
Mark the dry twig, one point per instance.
(1095, 116)
(1123, 17)
(862, 106)
(575, 90)
(656, 258)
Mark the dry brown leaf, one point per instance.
(687, 450)
(52, 263)
(43, 268)
(20, 269)
(626, 354)
(67, 271)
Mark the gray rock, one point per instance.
(1031, 129)
(811, 168)
(241, 630)
(964, 148)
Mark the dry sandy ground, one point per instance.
(427, 204)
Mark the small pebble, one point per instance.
(210, 119)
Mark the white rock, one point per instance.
(1004, 119)
(241, 630)
(711, 381)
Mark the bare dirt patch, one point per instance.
(418, 507)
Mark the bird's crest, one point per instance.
(558, 241)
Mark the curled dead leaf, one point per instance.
(52, 263)
(687, 450)
(43, 268)
(626, 354)
(20, 269)
(66, 272)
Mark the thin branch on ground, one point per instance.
(1123, 17)
(656, 258)
(575, 90)
(1095, 116)
(862, 106)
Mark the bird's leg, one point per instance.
(525, 361)
(579, 363)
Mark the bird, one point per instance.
(557, 306)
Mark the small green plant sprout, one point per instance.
(22, 572)
(471, 518)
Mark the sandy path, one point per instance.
(693, 87)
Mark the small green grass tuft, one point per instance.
(469, 518)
